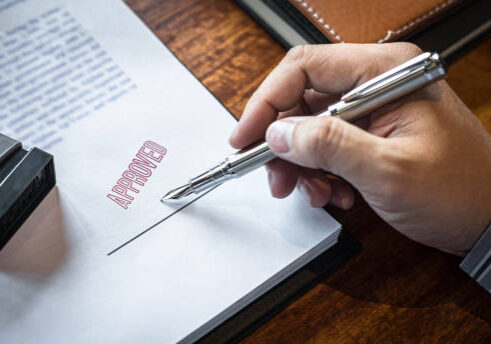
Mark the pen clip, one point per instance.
(397, 75)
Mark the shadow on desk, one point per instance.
(39, 247)
(402, 276)
(32, 259)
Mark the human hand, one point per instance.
(422, 163)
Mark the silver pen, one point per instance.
(393, 84)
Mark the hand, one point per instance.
(422, 163)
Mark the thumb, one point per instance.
(326, 143)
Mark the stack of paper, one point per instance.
(102, 260)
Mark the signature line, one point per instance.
(158, 223)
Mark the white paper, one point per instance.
(88, 82)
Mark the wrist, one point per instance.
(478, 204)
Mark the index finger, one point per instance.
(330, 68)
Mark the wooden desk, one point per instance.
(395, 291)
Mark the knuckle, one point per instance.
(408, 49)
(386, 56)
(298, 53)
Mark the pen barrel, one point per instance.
(389, 86)
(234, 166)
(249, 159)
(211, 178)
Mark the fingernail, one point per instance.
(280, 135)
(340, 201)
(304, 191)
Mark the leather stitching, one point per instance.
(391, 33)
(316, 17)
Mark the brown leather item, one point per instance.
(365, 21)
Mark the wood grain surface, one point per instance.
(395, 290)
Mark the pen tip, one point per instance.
(176, 194)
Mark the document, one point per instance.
(102, 260)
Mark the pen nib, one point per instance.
(177, 194)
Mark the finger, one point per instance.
(282, 177)
(342, 195)
(300, 109)
(314, 186)
(326, 143)
(317, 187)
(318, 102)
(312, 103)
(332, 69)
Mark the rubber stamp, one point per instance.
(26, 177)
